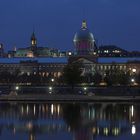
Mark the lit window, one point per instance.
(106, 51)
(134, 70)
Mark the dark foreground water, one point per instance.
(69, 121)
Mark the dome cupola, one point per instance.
(84, 41)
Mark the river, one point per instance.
(69, 121)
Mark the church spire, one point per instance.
(33, 40)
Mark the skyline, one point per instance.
(56, 22)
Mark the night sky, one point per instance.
(55, 22)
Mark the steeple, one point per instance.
(33, 40)
(84, 24)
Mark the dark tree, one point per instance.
(72, 116)
(72, 74)
(97, 78)
(117, 77)
(124, 78)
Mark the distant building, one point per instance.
(112, 51)
(88, 56)
(1, 50)
(41, 66)
(35, 51)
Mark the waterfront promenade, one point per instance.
(88, 94)
(66, 98)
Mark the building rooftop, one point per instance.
(40, 60)
(117, 60)
(65, 60)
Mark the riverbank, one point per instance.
(71, 98)
(78, 90)
(65, 93)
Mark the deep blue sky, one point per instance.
(56, 21)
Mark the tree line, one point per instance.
(73, 75)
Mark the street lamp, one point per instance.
(85, 88)
(17, 88)
(132, 80)
(50, 90)
(52, 80)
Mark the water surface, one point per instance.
(69, 121)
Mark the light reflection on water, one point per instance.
(71, 121)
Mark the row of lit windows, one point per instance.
(108, 67)
(54, 74)
(109, 51)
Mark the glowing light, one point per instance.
(27, 109)
(132, 110)
(115, 131)
(133, 130)
(52, 109)
(58, 109)
(34, 109)
(134, 70)
(50, 88)
(30, 54)
(17, 87)
(69, 53)
(132, 80)
(106, 131)
(33, 42)
(31, 137)
(94, 130)
(106, 51)
(52, 80)
(85, 88)
(116, 51)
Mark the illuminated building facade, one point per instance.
(35, 51)
(43, 67)
(112, 51)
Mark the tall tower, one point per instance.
(33, 42)
(84, 41)
(33, 45)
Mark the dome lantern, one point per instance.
(84, 24)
